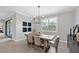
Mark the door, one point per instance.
(8, 28)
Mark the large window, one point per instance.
(49, 24)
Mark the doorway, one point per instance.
(8, 28)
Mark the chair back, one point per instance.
(56, 40)
(54, 43)
(37, 41)
(30, 38)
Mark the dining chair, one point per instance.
(37, 41)
(54, 43)
(30, 39)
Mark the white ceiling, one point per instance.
(6, 11)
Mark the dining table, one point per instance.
(45, 39)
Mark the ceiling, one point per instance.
(6, 11)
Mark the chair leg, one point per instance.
(56, 49)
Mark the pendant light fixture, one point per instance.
(37, 19)
(38, 14)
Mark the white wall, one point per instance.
(19, 26)
(65, 22)
(77, 16)
(13, 26)
(1, 24)
(4, 28)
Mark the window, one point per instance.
(49, 24)
(26, 26)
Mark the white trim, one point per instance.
(6, 39)
(19, 39)
(63, 41)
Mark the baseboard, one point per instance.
(5, 40)
(19, 39)
(63, 41)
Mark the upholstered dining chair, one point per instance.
(54, 43)
(37, 40)
(30, 38)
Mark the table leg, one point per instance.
(46, 47)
